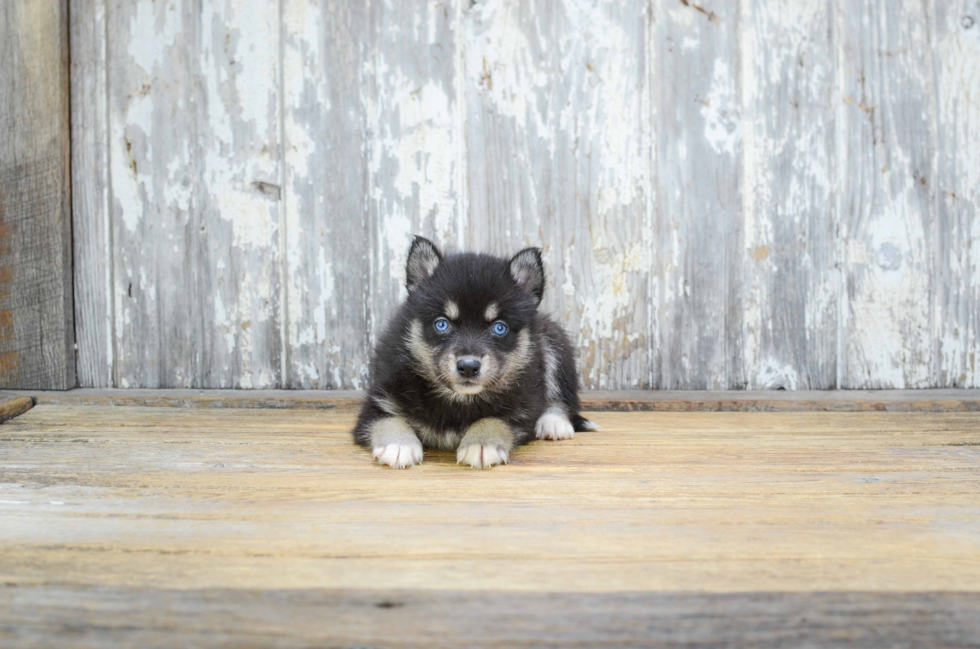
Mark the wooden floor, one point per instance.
(139, 526)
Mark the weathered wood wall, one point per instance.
(36, 312)
(730, 193)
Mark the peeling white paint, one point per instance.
(506, 124)
(722, 120)
(154, 28)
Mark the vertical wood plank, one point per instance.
(790, 285)
(699, 217)
(957, 288)
(372, 157)
(194, 150)
(414, 174)
(887, 179)
(326, 244)
(36, 310)
(90, 194)
(559, 156)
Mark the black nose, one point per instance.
(468, 367)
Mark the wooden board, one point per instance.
(888, 202)
(194, 159)
(601, 400)
(102, 617)
(91, 194)
(790, 278)
(36, 313)
(758, 194)
(699, 196)
(957, 291)
(371, 158)
(13, 405)
(558, 156)
(721, 502)
(120, 524)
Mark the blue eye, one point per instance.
(442, 325)
(499, 328)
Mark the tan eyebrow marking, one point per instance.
(452, 310)
(492, 312)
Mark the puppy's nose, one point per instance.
(468, 366)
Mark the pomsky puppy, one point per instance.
(468, 364)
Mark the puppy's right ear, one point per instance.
(423, 259)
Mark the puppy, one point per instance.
(468, 364)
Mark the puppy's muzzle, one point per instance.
(468, 367)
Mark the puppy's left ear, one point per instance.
(423, 259)
(528, 271)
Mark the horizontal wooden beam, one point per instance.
(109, 616)
(598, 400)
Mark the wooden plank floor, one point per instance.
(170, 526)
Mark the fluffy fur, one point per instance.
(423, 393)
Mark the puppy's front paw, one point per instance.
(481, 456)
(399, 455)
(554, 424)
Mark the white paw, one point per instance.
(481, 456)
(399, 455)
(554, 424)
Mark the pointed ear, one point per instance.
(528, 271)
(423, 259)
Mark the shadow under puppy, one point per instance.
(468, 364)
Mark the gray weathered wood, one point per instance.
(559, 155)
(93, 248)
(952, 400)
(371, 158)
(194, 155)
(753, 194)
(957, 273)
(699, 231)
(790, 280)
(36, 313)
(327, 267)
(887, 129)
(41, 615)
(410, 72)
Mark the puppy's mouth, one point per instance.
(467, 387)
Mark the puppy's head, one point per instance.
(469, 317)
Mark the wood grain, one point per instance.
(91, 194)
(326, 339)
(36, 313)
(716, 502)
(699, 223)
(559, 156)
(194, 164)
(790, 281)
(42, 615)
(758, 194)
(255, 527)
(13, 405)
(955, 400)
(887, 133)
(371, 158)
(957, 245)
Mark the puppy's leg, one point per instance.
(487, 442)
(554, 424)
(394, 444)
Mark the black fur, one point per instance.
(400, 381)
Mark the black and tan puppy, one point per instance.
(468, 364)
